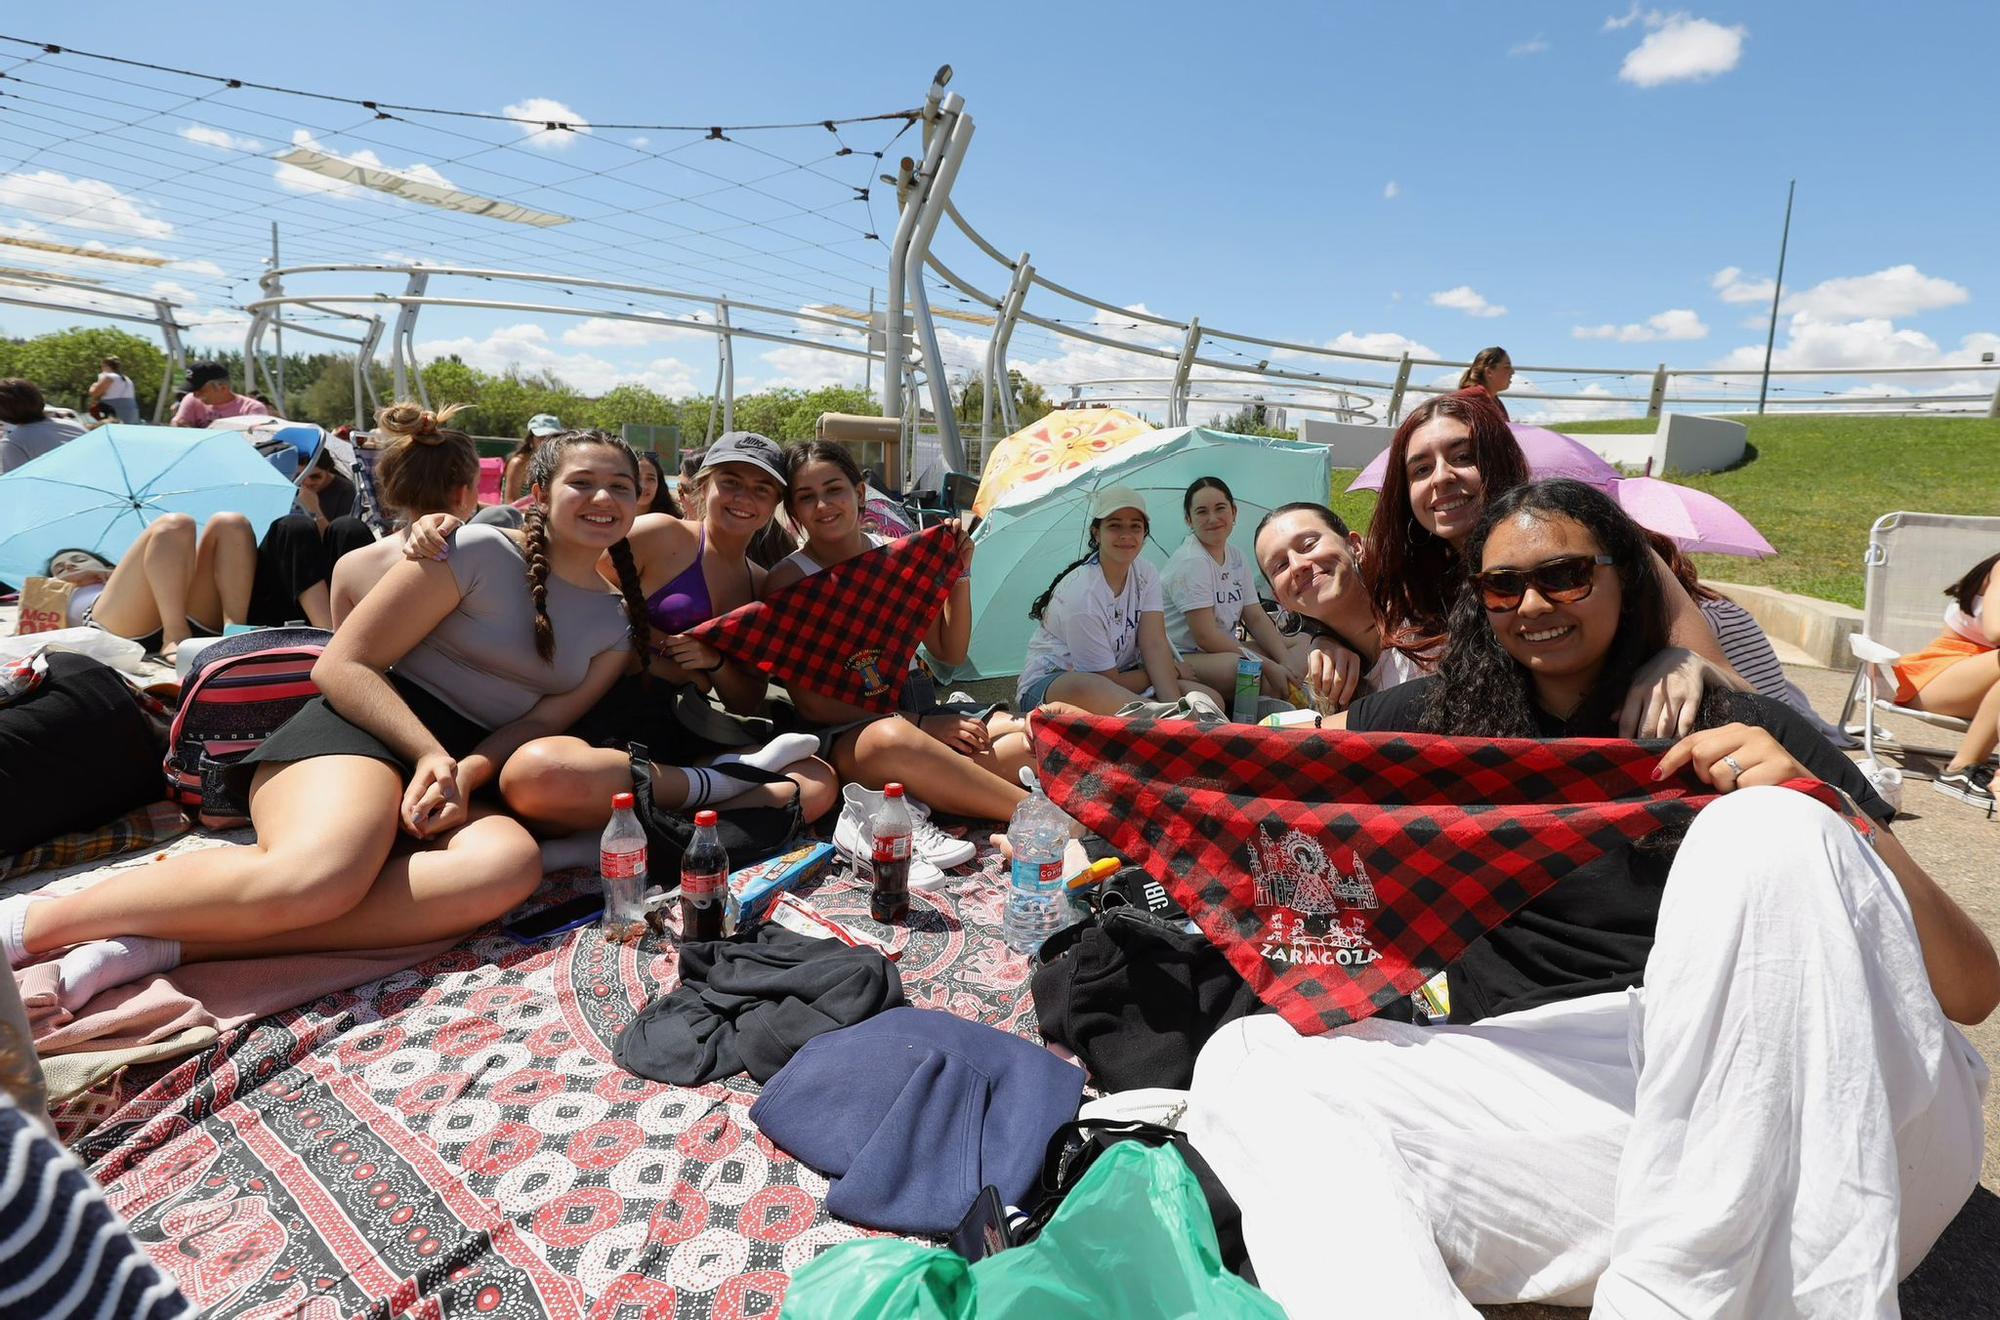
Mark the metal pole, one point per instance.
(728, 366)
(1003, 335)
(899, 250)
(935, 190)
(1177, 406)
(401, 349)
(1777, 289)
(1993, 408)
(868, 363)
(1659, 396)
(715, 399)
(277, 322)
(170, 334)
(1396, 395)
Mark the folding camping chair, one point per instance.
(1912, 558)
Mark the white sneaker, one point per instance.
(932, 849)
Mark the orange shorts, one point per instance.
(1916, 670)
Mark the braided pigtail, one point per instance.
(635, 601)
(1042, 601)
(535, 547)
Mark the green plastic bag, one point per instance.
(1133, 1241)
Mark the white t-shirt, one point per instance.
(1088, 629)
(120, 387)
(1194, 581)
(1966, 625)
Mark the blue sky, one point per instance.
(1577, 182)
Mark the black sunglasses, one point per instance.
(1562, 581)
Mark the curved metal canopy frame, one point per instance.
(160, 316)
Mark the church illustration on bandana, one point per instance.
(1309, 907)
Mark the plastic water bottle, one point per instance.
(621, 867)
(1035, 903)
(1249, 686)
(889, 857)
(704, 881)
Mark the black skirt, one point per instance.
(676, 723)
(319, 730)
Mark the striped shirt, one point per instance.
(1746, 648)
(63, 1252)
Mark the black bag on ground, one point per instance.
(76, 753)
(1135, 997)
(748, 835)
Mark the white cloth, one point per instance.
(1194, 581)
(1088, 628)
(1780, 1123)
(1966, 625)
(1392, 668)
(115, 386)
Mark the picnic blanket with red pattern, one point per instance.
(456, 1140)
(1340, 871)
(848, 631)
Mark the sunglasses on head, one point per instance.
(1561, 581)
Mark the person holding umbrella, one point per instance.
(510, 638)
(1446, 461)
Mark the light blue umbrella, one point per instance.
(102, 489)
(1021, 546)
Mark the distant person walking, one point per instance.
(210, 398)
(1491, 372)
(30, 432)
(113, 391)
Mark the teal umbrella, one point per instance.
(102, 489)
(1022, 545)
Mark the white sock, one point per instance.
(89, 969)
(774, 755)
(14, 927)
(706, 785)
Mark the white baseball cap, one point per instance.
(544, 424)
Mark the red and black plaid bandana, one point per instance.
(848, 631)
(1340, 871)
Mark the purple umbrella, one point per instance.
(1698, 521)
(1548, 455)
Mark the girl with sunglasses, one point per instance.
(1449, 458)
(1729, 1048)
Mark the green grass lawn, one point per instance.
(1813, 485)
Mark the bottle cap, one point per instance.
(892, 790)
(704, 819)
(621, 801)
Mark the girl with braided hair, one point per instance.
(444, 670)
(655, 734)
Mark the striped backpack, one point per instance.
(239, 690)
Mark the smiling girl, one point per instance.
(1208, 591)
(961, 759)
(443, 670)
(1732, 1048)
(1448, 459)
(1101, 636)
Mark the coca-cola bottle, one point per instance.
(889, 858)
(704, 882)
(621, 866)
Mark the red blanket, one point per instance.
(849, 631)
(1340, 871)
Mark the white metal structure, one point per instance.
(159, 315)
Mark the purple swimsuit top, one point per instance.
(682, 602)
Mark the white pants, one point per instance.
(1781, 1123)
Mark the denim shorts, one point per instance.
(1033, 695)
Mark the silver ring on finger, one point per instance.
(1735, 766)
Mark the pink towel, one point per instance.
(216, 994)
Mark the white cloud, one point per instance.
(534, 116)
(1897, 291)
(1650, 17)
(1546, 412)
(79, 204)
(293, 179)
(1676, 323)
(605, 332)
(173, 292)
(525, 347)
(1731, 287)
(1392, 190)
(1466, 299)
(1680, 48)
(1812, 342)
(204, 269)
(803, 367)
(1385, 342)
(1533, 46)
(641, 142)
(208, 136)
